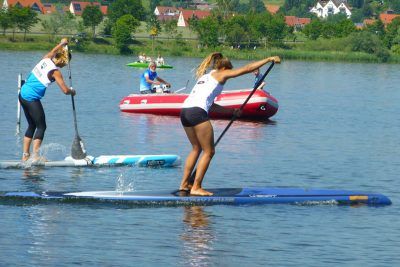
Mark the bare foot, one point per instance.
(37, 159)
(25, 156)
(200, 192)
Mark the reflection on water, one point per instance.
(198, 237)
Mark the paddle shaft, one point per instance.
(234, 117)
(19, 105)
(73, 101)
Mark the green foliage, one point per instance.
(335, 26)
(5, 20)
(207, 30)
(122, 32)
(313, 30)
(392, 33)
(171, 28)
(57, 23)
(369, 43)
(92, 17)
(124, 7)
(153, 25)
(299, 8)
(24, 18)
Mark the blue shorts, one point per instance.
(191, 117)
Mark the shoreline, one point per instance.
(188, 48)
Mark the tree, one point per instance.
(313, 30)
(369, 43)
(122, 32)
(236, 30)
(22, 18)
(256, 6)
(55, 22)
(392, 31)
(207, 31)
(123, 7)
(26, 20)
(92, 17)
(5, 20)
(171, 27)
(153, 27)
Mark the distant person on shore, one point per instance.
(150, 79)
(43, 74)
(195, 119)
(257, 77)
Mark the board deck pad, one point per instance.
(222, 196)
(166, 160)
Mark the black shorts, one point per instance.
(191, 117)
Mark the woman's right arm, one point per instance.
(51, 54)
(224, 75)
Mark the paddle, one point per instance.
(77, 150)
(234, 117)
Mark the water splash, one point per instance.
(123, 183)
(53, 151)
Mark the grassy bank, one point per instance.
(184, 48)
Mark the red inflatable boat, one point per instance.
(261, 105)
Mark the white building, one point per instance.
(331, 7)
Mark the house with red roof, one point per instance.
(166, 13)
(76, 8)
(35, 5)
(185, 15)
(296, 23)
(387, 18)
(273, 9)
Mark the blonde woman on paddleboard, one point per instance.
(195, 119)
(43, 74)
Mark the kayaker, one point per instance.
(43, 74)
(195, 119)
(149, 79)
(257, 77)
(160, 60)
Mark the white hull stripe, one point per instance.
(252, 100)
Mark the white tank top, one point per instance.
(42, 69)
(204, 92)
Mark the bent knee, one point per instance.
(209, 153)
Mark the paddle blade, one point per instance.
(78, 149)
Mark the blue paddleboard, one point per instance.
(222, 196)
(105, 160)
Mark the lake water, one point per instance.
(337, 128)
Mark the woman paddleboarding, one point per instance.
(43, 74)
(195, 118)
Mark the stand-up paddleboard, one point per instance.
(105, 160)
(222, 196)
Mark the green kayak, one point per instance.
(145, 65)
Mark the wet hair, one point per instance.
(217, 60)
(62, 57)
(152, 63)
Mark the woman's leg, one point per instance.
(26, 106)
(191, 158)
(205, 136)
(36, 118)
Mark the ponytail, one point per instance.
(212, 58)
